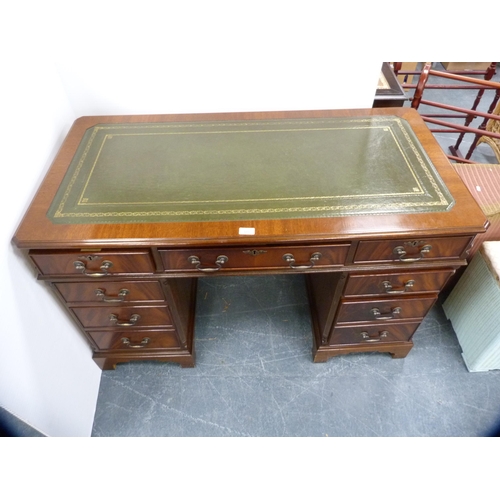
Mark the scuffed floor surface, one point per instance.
(254, 376)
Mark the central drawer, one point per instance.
(123, 317)
(297, 258)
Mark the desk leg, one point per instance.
(109, 362)
(396, 350)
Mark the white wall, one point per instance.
(69, 59)
(198, 59)
(47, 377)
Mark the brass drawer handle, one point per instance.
(290, 259)
(80, 266)
(131, 322)
(101, 294)
(396, 311)
(220, 261)
(388, 287)
(144, 342)
(401, 252)
(367, 338)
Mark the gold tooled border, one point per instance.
(363, 207)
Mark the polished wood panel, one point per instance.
(93, 263)
(409, 282)
(324, 292)
(410, 250)
(181, 295)
(388, 309)
(262, 258)
(371, 334)
(105, 292)
(131, 340)
(118, 316)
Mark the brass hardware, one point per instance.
(396, 311)
(367, 338)
(131, 322)
(80, 266)
(220, 261)
(254, 252)
(401, 252)
(290, 259)
(145, 341)
(101, 294)
(388, 287)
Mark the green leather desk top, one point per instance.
(266, 169)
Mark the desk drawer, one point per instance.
(111, 291)
(398, 283)
(408, 251)
(135, 340)
(381, 311)
(123, 317)
(218, 259)
(373, 334)
(97, 264)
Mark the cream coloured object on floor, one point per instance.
(473, 307)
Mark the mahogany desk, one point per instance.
(135, 208)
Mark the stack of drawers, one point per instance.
(385, 307)
(381, 300)
(119, 303)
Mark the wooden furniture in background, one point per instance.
(375, 260)
(404, 71)
(466, 66)
(452, 113)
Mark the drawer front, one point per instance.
(135, 340)
(93, 264)
(408, 251)
(123, 317)
(218, 259)
(373, 334)
(409, 282)
(111, 291)
(381, 311)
